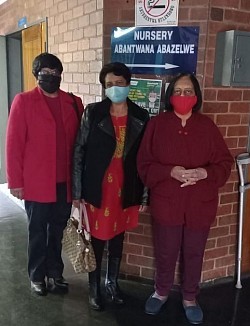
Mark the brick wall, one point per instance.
(228, 107)
(75, 29)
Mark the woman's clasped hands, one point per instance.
(188, 177)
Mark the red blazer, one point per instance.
(31, 144)
(199, 144)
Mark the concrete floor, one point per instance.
(223, 304)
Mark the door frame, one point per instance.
(14, 88)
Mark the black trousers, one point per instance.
(46, 222)
(114, 247)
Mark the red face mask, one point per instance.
(183, 104)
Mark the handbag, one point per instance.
(76, 242)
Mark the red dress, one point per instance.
(111, 219)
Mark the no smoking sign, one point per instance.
(156, 12)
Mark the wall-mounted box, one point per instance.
(232, 59)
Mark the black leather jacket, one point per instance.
(94, 149)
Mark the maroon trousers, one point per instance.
(168, 242)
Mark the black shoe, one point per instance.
(95, 303)
(38, 288)
(57, 285)
(114, 293)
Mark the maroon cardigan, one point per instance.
(31, 144)
(199, 144)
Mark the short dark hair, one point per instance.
(118, 69)
(170, 89)
(46, 60)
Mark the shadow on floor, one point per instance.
(223, 304)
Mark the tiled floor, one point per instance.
(223, 304)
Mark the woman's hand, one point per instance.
(17, 192)
(76, 203)
(188, 177)
(143, 208)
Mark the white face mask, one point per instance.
(117, 94)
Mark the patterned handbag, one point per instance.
(76, 243)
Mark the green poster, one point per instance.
(146, 93)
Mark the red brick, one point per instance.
(243, 143)
(208, 265)
(228, 198)
(226, 241)
(224, 261)
(197, 13)
(147, 273)
(210, 243)
(183, 14)
(216, 14)
(233, 229)
(215, 253)
(147, 230)
(239, 107)
(210, 69)
(229, 95)
(232, 250)
(188, 3)
(215, 107)
(225, 3)
(140, 261)
(140, 239)
(231, 270)
(244, 119)
(145, 218)
(231, 142)
(245, 4)
(131, 248)
(237, 16)
(209, 94)
(127, 15)
(228, 219)
(111, 16)
(228, 187)
(246, 93)
(224, 209)
(237, 131)
(228, 119)
(213, 274)
(208, 81)
(223, 130)
(148, 252)
(130, 269)
(210, 54)
(218, 231)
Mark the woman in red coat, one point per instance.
(183, 160)
(41, 131)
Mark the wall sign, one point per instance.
(146, 93)
(151, 50)
(156, 12)
(22, 22)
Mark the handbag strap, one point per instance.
(79, 228)
(83, 212)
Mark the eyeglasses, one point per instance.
(186, 92)
(48, 72)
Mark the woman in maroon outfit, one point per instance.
(183, 160)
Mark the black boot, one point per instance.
(112, 287)
(95, 300)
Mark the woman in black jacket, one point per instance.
(105, 176)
